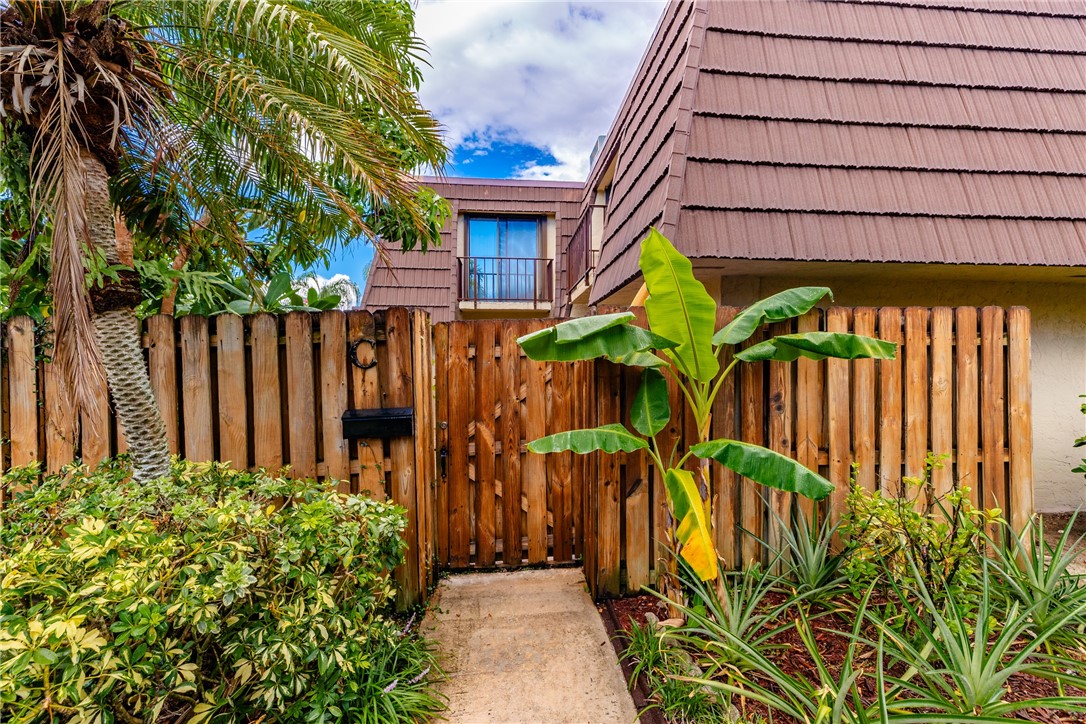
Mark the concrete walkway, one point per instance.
(526, 647)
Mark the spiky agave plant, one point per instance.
(305, 112)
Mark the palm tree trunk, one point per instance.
(118, 332)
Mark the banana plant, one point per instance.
(682, 342)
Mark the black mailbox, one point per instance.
(384, 423)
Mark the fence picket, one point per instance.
(232, 407)
(22, 376)
(916, 391)
(1019, 408)
(942, 399)
(837, 397)
(992, 415)
(196, 388)
(267, 410)
(301, 395)
(333, 362)
(510, 437)
(890, 419)
(864, 398)
(485, 513)
(162, 364)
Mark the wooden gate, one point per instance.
(498, 504)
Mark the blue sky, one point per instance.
(523, 89)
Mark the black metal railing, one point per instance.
(579, 253)
(498, 279)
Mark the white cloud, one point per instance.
(548, 74)
(340, 284)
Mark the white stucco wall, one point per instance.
(1058, 355)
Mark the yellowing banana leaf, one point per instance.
(678, 307)
(777, 308)
(766, 467)
(818, 345)
(692, 516)
(608, 438)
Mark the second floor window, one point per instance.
(505, 259)
(508, 237)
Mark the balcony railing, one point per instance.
(579, 253)
(497, 279)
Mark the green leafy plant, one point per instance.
(660, 661)
(206, 595)
(682, 342)
(883, 534)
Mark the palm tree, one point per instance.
(177, 119)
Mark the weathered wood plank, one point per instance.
(366, 395)
(61, 435)
(724, 481)
(461, 382)
(333, 361)
(810, 376)
(441, 390)
(916, 391)
(609, 484)
(422, 400)
(398, 393)
(162, 365)
(486, 376)
(1020, 411)
(510, 436)
(267, 408)
(232, 407)
(864, 399)
(752, 510)
(534, 468)
(942, 398)
(301, 395)
(560, 465)
(967, 389)
(993, 420)
(23, 381)
(838, 395)
(196, 388)
(636, 501)
(890, 417)
(781, 425)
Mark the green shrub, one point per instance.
(210, 595)
(944, 535)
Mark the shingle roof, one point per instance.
(942, 131)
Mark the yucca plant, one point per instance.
(682, 342)
(188, 117)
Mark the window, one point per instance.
(508, 237)
(505, 259)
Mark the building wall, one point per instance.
(1058, 355)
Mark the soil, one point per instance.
(1056, 524)
(792, 657)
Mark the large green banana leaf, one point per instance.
(609, 438)
(606, 335)
(651, 410)
(640, 359)
(777, 308)
(692, 516)
(818, 345)
(678, 307)
(766, 467)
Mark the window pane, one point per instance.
(521, 238)
(483, 237)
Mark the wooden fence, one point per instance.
(960, 386)
(263, 391)
(497, 503)
(258, 391)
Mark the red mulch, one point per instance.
(792, 657)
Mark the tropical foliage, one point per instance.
(207, 595)
(228, 135)
(683, 344)
(1002, 645)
